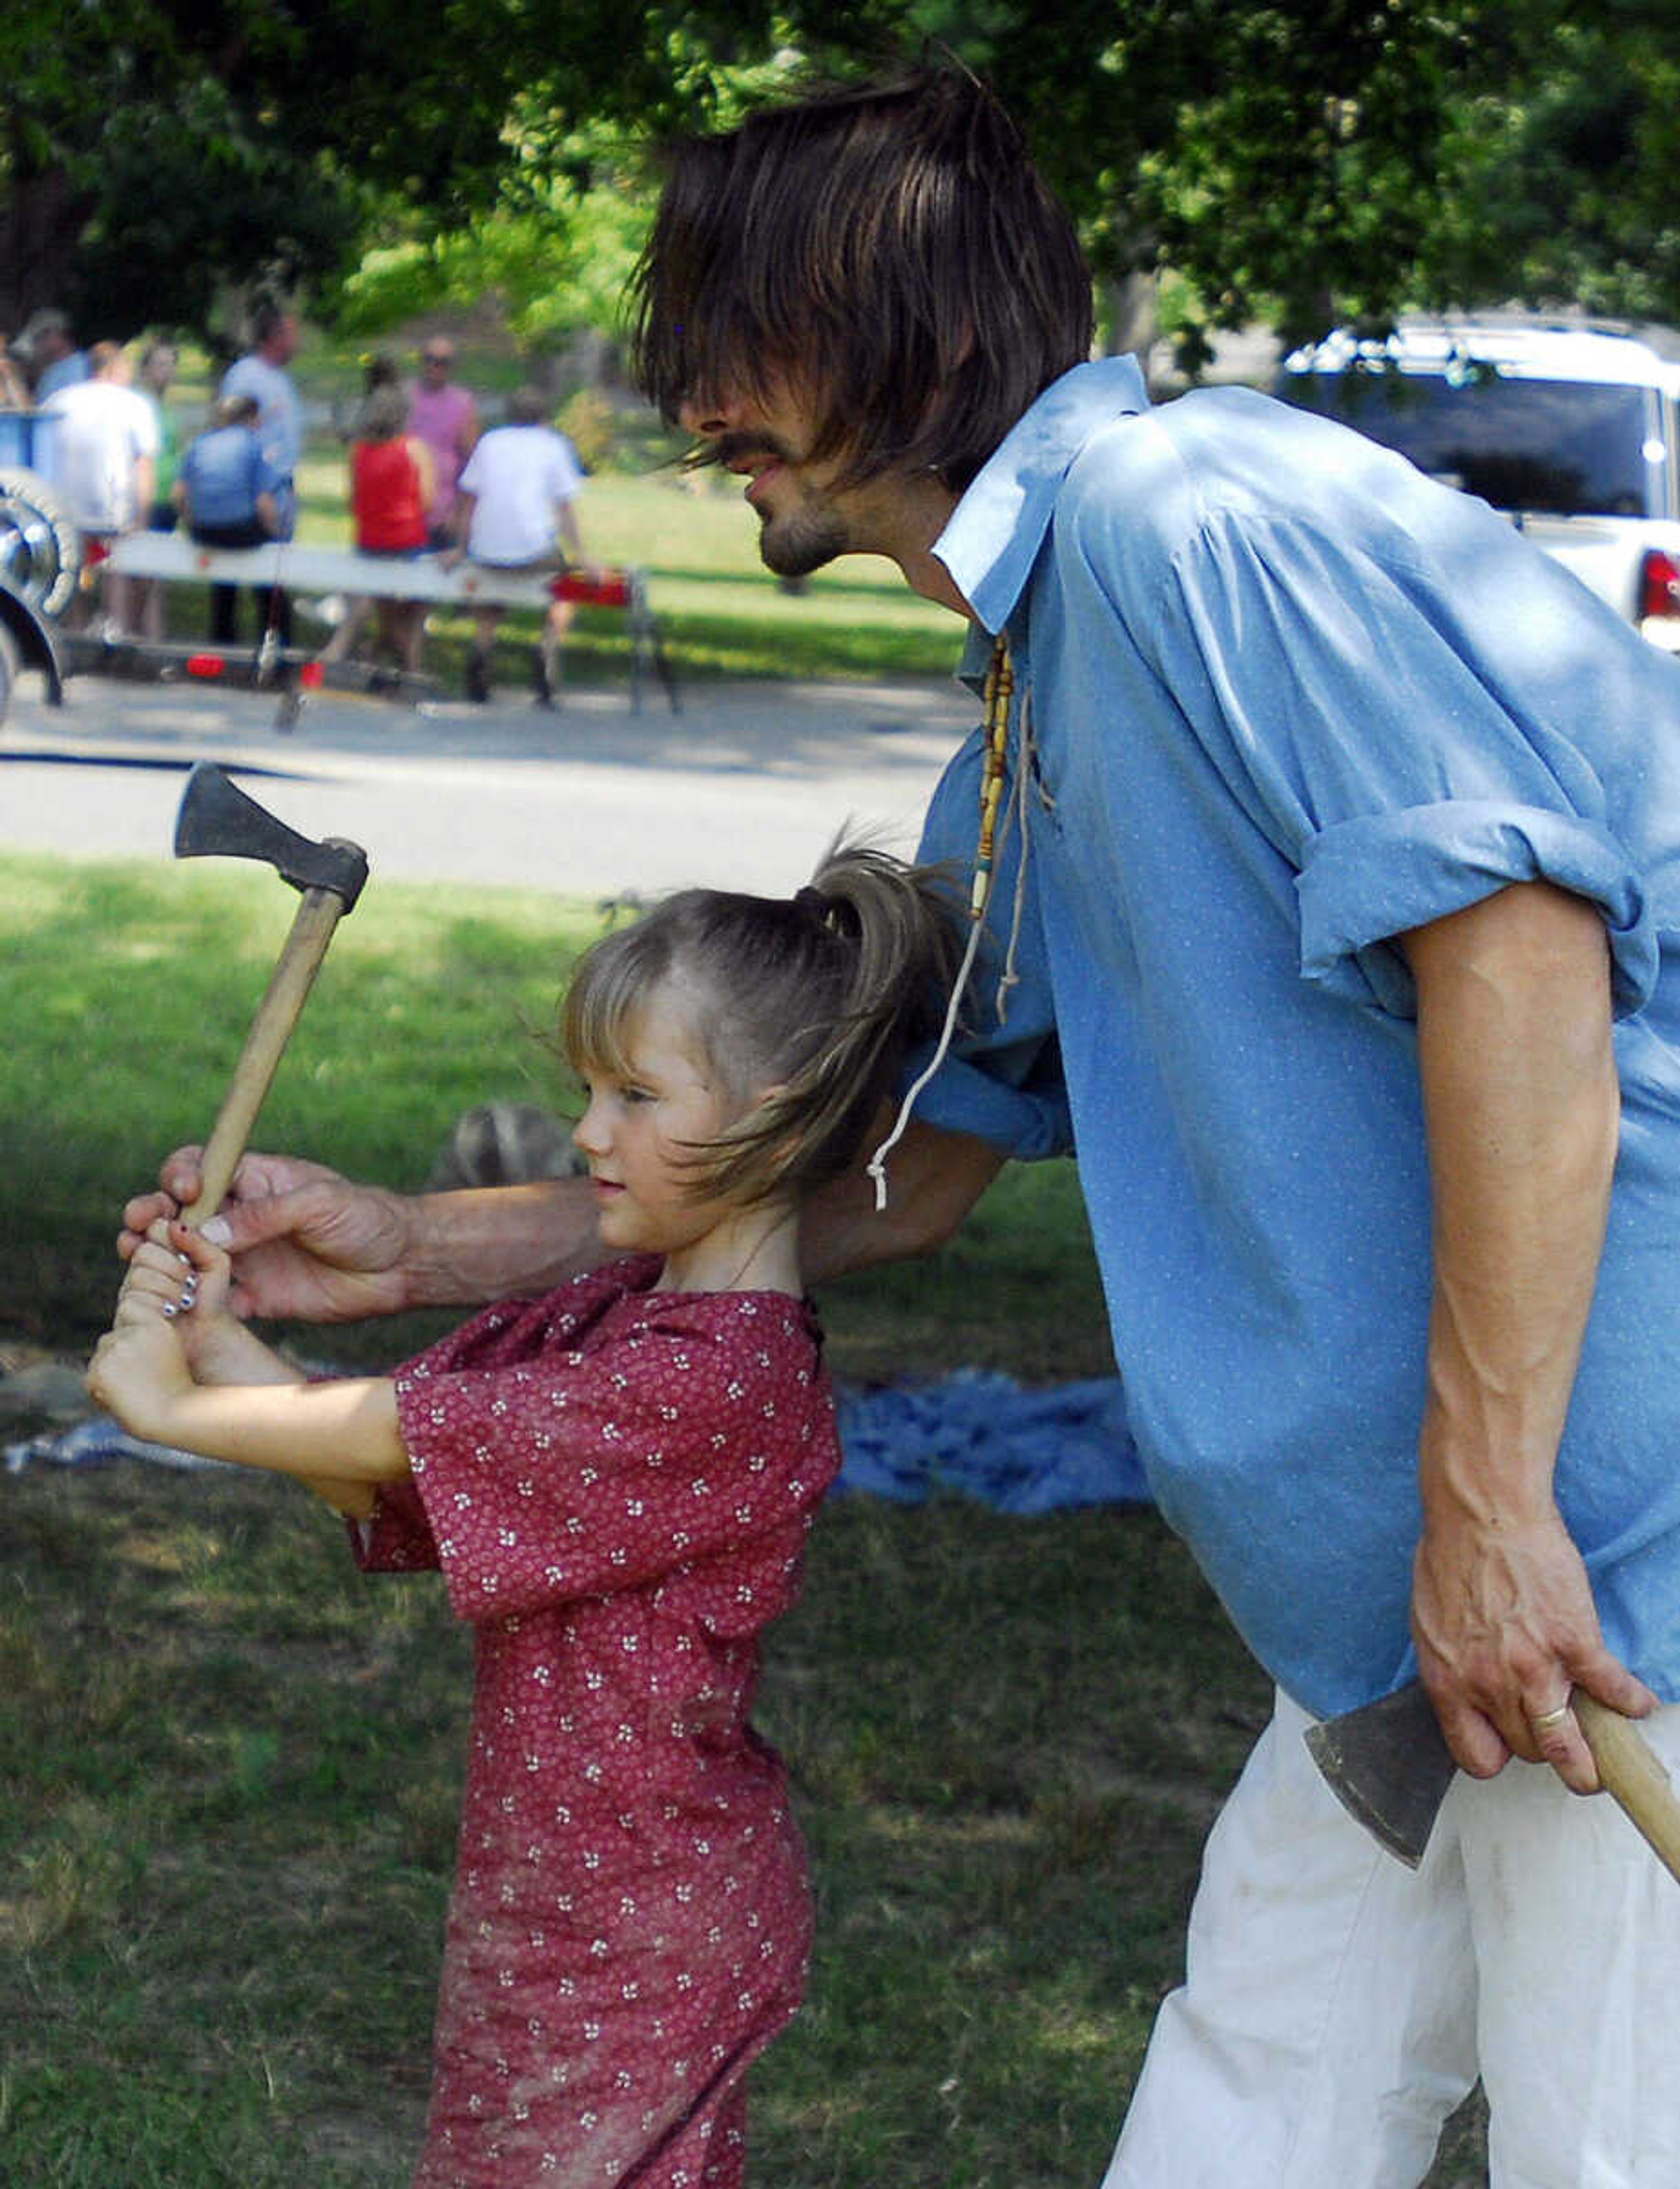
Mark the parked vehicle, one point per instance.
(40, 549)
(40, 555)
(27, 642)
(1571, 428)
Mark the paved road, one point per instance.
(745, 786)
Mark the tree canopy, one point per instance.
(1297, 160)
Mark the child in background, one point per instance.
(617, 1481)
(390, 488)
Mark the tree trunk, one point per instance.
(42, 214)
(1129, 302)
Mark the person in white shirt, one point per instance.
(105, 460)
(513, 512)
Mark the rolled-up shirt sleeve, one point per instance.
(1366, 880)
(1348, 710)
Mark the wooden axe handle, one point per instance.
(1632, 1775)
(277, 1014)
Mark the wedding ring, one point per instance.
(1548, 1721)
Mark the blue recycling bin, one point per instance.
(26, 439)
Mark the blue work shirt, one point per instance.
(280, 424)
(1291, 699)
(223, 471)
(281, 421)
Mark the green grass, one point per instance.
(232, 1766)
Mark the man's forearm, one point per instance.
(934, 1178)
(497, 1241)
(468, 1247)
(1522, 1106)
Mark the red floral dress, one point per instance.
(617, 1482)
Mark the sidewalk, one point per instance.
(744, 787)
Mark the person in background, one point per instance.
(55, 361)
(261, 373)
(157, 371)
(105, 459)
(443, 414)
(230, 494)
(14, 388)
(390, 492)
(515, 513)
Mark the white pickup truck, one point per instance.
(1571, 428)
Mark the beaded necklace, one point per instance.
(997, 691)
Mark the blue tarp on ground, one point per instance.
(979, 1434)
(974, 1435)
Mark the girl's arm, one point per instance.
(346, 1432)
(175, 1346)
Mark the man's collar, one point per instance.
(995, 530)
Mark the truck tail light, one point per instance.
(1659, 585)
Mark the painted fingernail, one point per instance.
(217, 1232)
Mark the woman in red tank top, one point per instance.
(390, 488)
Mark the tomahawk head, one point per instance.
(218, 820)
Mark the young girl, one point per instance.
(617, 1481)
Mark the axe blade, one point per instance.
(218, 820)
(1389, 1767)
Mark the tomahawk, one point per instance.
(218, 820)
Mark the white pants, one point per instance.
(1336, 2007)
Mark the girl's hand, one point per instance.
(175, 1274)
(139, 1373)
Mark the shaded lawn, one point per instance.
(234, 1766)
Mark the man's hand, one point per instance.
(304, 1241)
(1505, 1626)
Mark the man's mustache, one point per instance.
(740, 447)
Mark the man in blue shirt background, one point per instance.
(231, 494)
(261, 374)
(55, 358)
(1339, 880)
(226, 487)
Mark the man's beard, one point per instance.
(802, 540)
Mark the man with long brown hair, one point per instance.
(1326, 832)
